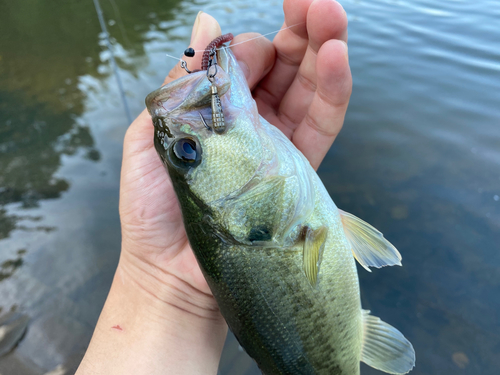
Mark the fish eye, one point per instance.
(185, 150)
(185, 153)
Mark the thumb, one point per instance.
(205, 29)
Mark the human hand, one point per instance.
(301, 83)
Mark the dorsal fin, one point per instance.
(384, 347)
(313, 247)
(369, 246)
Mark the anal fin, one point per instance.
(313, 247)
(384, 347)
(369, 246)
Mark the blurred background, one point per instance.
(418, 158)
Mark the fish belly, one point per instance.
(287, 325)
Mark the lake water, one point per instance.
(419, 158)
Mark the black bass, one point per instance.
(276, 252)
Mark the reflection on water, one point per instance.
(44, 51)
(418, 158)
(8, 267)
(59, 166)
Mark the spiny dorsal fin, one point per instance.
(369, 246)
(384, 347)
(313, 246)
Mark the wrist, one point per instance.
(153, 322)
(168, 287)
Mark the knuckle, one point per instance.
(321, 128)
(306, 82)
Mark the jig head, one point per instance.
(218, 122)
(209, 63)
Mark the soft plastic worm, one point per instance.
(217, 42)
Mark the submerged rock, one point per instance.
(12, 328)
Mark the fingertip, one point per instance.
(326, 19)
(296, 14)
(333, 72)
(333, 52)
(205, 29)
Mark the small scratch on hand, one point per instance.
(117, 327)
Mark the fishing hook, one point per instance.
(184, 66)
(204, 122)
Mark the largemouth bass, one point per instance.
(276, 252)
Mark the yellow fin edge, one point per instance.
(369, 246)
(313, 246)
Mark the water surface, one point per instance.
(419, 158)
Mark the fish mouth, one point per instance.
(189, 93)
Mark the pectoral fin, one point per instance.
(369, 246)
(313, 247)
(384, 347)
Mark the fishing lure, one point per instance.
(209, 63)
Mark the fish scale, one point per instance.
(248, 300)
(276, 252)
(291, 333)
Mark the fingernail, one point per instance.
(346, 50)
(196, 26)
(244, 67)
(345, 13)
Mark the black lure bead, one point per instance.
(189, 52)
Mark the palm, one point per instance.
(151, 218)
(301, 84)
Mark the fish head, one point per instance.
(211, 165)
